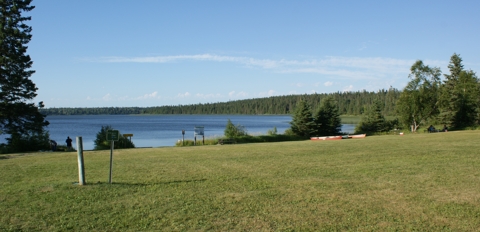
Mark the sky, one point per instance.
(146, 53)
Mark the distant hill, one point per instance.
(349, 103)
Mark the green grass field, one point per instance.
(416, 182)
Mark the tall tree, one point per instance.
(327, 119)
(18, 116)
(373, 121)
(419, 99)
(459, 98)
(468, 99)
(302, 120)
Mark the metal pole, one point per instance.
(81, 166)
(111, 162)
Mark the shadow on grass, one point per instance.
(145, 184)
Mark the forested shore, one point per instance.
(349, 103)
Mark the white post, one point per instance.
(81, 166)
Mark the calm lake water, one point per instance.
(161, 130)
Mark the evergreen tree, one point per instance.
(302, 120)
(101, 142)
(19, 118)
(468, 99)
(373, 121)
(327, 120)
(459, 98)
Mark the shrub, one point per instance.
(101, 142)
(233, 131)
(27, 142)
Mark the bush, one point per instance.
(232, 131)
(27, 142)
(273, 131)
(101, 142)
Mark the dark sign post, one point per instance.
(199, 130)
(112, 136)
(183, 137)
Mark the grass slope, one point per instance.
(424, 182)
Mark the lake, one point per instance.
(161, 130)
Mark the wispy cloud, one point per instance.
(148, 96)
(328, 83)
(184, 95)
(240, 94)
(348, 88)
(357, 68)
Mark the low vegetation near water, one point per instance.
(420, 182)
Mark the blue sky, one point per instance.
(151, 53)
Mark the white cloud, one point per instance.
(348, 88)
(238, 94)
(328, 83)
(148, 96)
(107, 97)
(350, 68)
(208, 96)
(184, 95)
(268, 93)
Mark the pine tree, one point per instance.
(373, 121)
(459, 98)
(468, 95)
(449, 98)
(18, 116)
(302, 121)
(327, 119)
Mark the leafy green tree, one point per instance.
(19, 118)
(302, 120)
(101, 142)
(233, 131)
(419, 99)
(327, 120)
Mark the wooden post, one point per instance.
(111, 162)
(81, 166)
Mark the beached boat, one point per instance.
(361, 136)
(326, 138)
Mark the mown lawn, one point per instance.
(423, 182)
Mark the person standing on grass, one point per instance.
(69, 143)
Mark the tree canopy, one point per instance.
(19, 118)
(459, 99)
(418, 101)
(327, 119)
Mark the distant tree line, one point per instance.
(349, 103)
